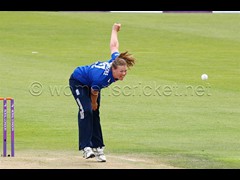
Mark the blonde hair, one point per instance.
(124, 59)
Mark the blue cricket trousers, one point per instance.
(89, 127)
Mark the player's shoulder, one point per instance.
(115, 54)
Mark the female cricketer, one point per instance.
(86, 83)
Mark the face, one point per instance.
(120, 72)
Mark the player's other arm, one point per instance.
(114, 44)
(94, 97)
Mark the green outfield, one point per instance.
(162, 109)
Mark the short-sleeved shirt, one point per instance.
(97, 75)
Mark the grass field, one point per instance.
(162, 109)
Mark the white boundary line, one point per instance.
(226, 12)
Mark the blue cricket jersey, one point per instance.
(97, 75)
